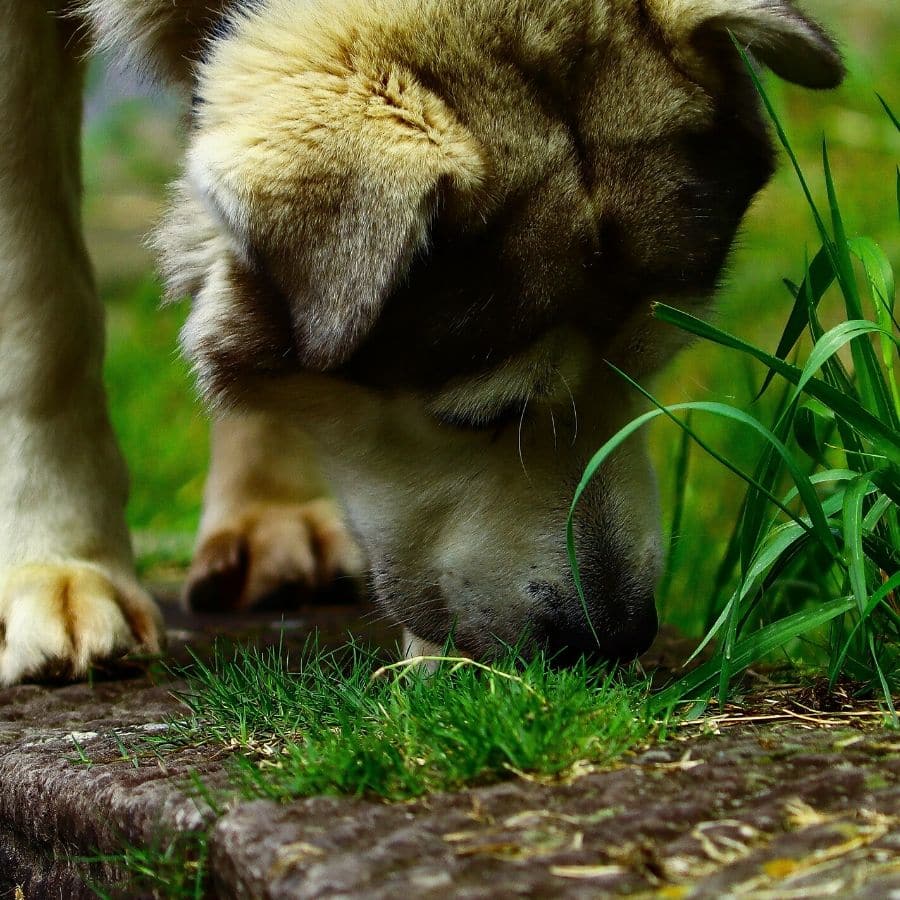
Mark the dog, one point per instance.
(414, 234)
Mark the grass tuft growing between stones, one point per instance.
(175, 868)
(336, 723)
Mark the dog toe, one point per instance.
(275, 556)
(218, 572)
(57, 620)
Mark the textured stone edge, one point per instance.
(689, 839)
(56, 810)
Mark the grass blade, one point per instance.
(783, 140)
(819, 277)
(880, 276)
(853, 545)
(680, 485)
(872, 388)
(885, 438)
(819, 526)
(889, 111)
(749, 650)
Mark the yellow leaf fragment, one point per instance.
(673, 892)
(586, 871)
(780, 868)
(292, 855)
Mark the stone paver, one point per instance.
(783, 810)
(731, 819)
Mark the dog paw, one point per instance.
(275, 554)
(57, 619)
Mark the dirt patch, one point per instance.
(789, 801)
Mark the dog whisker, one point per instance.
(572, 399)
(409, 609)
(521, 423)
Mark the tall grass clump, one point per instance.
(813, 561)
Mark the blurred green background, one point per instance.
(132, 144)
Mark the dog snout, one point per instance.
(610, 628)
(635, 632)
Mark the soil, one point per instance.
(779, 799)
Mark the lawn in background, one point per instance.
(131, 150)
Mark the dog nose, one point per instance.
(638, 631)
(617, 634)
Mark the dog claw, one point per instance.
(274, 556)
(58, 620)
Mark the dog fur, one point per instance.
(415, 231)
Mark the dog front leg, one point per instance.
(269, 525)
(68, 593)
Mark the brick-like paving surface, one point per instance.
(759, 810)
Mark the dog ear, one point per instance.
(775, 32)
(329, 182)
(236, 327)
(165, 38)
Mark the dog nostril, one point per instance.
(637, 632)
(620, 634)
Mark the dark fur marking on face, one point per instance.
(254, 336)
(483, 307)
(220, 27)
(661, 229)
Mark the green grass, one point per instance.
(341, 723)
(336, 723)
(753, 303)
(173, 867)
(156, 417)
(814, 552)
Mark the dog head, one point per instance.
(421, 228)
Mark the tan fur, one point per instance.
(300, 109)
(416, 230)
(68, 591)
(59, 618)
(267, 519)
(277, 546)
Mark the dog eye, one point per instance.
(511, 413)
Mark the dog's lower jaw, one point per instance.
(419, 650)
